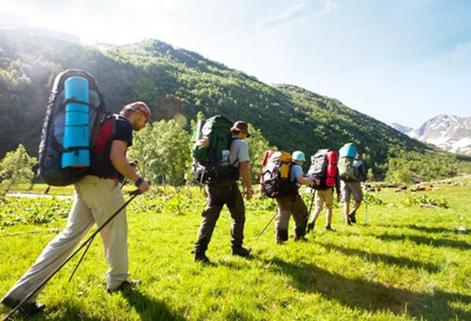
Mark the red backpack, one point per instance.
(324, 168)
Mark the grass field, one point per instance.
(409, 261)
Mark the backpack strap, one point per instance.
(230, 144)
(76, 101)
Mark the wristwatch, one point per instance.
(138, 182)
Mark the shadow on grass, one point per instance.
(388, 259)
(150, 309)
(424, 240)
(426, 229)
(372, 296)
(68, 312)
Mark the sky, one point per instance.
(402, 61)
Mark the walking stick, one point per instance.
(312, 202)
(366, 205)
(87, 242)
(261, 232)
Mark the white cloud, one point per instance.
(297, 11)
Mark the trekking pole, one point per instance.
(366, 205)
(312, 202)
(261, 232)
(87, 242)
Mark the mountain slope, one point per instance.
(176, 81)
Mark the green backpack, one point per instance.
(352, 169)
(212, 164)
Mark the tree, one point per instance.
(257, 146)
(163, 152)
(16, 167)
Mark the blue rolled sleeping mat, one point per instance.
(76, 132)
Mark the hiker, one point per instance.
(292, 203)
(324, 192)
(352, 172)
(227, 193)
(97, 196)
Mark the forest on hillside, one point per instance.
(177, 82)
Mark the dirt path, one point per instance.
(33, 195)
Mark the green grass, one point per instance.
(407, 263)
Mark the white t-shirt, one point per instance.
(239, 152)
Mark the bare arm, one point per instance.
(301, 180)
(122, 165)
(246, 178)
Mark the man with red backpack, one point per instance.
(329, 178)
(97, 196)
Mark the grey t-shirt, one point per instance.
(239, 152)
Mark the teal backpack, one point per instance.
(212, 164)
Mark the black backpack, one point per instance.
(212, 164)
(275, 175)
(51, 145)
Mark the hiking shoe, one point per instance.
(352, 217)
(310, 227)
(126, 284)
(26, 308)
(328, 228)
(240, 251)
(201, 258)
(300, 239)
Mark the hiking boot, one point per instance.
(201, 258)
(328, 228)
(26, 308)
(310, 227)
(352, 217)
(240, 251)
(300, 239)
(125, 285)
(281, 236)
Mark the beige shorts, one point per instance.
(349, 188)
(324, 197)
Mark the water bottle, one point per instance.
(225, 157)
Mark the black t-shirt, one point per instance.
(113, 128)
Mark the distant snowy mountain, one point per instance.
(403, 129)
(450, 133)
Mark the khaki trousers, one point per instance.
(95, 200)
(291, 204)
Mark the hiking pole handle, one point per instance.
(135, 192)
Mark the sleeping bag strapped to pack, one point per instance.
(351, 169)
(275, 179)
(212, 164)
(63, 150)
(324, 168)
(76, 142)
